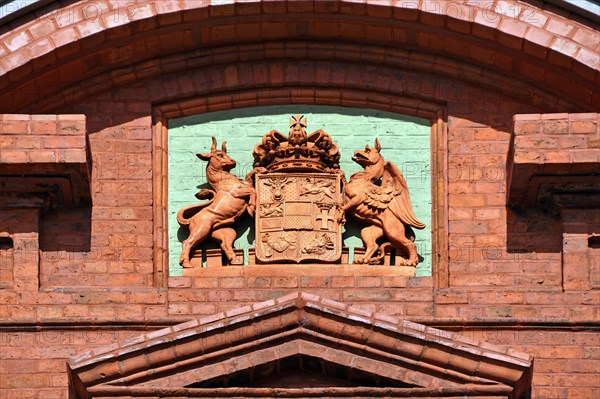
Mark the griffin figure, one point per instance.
(378, 197)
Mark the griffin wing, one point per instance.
(400, 205)
(379, 197)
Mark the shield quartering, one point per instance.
(299, 186)
(297, 217)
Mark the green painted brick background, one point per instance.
(405, 141)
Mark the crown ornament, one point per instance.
(298, 152)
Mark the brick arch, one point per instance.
(306, 65)
(333, 96)
(45, 55)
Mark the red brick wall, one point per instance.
(96, 280)
(557, 138)
(120, 225)
(32, 139)
(65, 47)
(492, 282)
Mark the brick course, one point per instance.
(414, 298)
(572, 40)
(97, 282)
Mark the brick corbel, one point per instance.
(44, 162)
(554, 161)
(554, 165)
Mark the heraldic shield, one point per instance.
(298, 185)
(297, 217)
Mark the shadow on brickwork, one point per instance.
(68, 230)
(532, 231)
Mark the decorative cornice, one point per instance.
(457, 324)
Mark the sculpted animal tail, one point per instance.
(185, 214)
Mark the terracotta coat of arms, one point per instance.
(297, 193)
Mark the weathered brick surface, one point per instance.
(85, 25)
(42, 139)
(20, 258)
(96, 267)
(552, 145)
(580, 255)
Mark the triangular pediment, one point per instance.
(299, 345)
(301, 371)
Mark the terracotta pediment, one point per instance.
(300, 345)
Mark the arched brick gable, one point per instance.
(307, 65)
(63, 48)
(88, 277)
